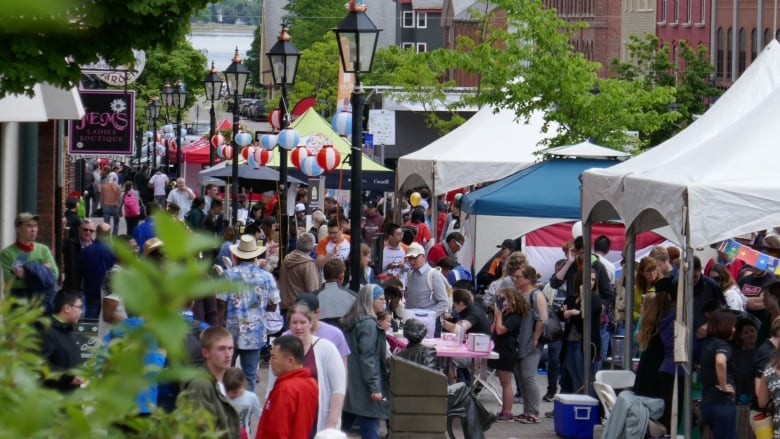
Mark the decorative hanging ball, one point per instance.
(288, 138)
(246, 152)
(183, 132)
(310, 167)
(297, 155)
(227, 152)
(168, 136)
(275, 119)
(148, 135)
(172, 144)
(263, 156)
(217, 139)
(415, 199)
(250, 159)
(221, 151)
(160, 150)
(342, 123)
(328, 158)
(168, 128)
(243, 139)
(268, 141)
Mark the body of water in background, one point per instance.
(219, 44)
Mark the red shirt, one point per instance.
(436, 253)
(291, 408)
(423, 232)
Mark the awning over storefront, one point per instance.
(48, 103)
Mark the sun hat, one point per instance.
(152, 244)
(246, 248)
(414, 249)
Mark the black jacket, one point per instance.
(61, 352)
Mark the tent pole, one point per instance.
(688, 421)
(586, 307)
(434, 212)
(628, 276)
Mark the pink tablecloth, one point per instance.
(443, 348)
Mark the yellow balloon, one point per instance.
(415, 199)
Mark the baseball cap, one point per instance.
(300, 207)
(371, 204)
(508, 244)
(310, 300)
(414, 250)
(24, 217)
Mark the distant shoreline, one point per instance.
(222, 28)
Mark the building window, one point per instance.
(742, 61)
(719, 59)
(662, 17)
(408, 19)
(767, 36)
(729, 52)
(422, 47)
(753, 44)
(406, 46)
(422, 20)
(703, 11)
(690, 12)
(676, 11)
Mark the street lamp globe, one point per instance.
(283, 57)
(237, 76)
(212, 83)
(357, 37)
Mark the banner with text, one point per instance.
(107, 125)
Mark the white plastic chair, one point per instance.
(606, 396)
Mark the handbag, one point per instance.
(762, 425)
(552, 330)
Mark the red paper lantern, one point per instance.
(217, 139)
(275, 119)
(328, 158)
(263, 156)
(246, 152)
(227, 152)
(298, 154)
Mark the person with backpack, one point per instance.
(130, 205)
(426, 290)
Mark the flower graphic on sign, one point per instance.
(118, 105)
(315, 141)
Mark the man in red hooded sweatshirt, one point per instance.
(290, 412)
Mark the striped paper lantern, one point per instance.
(268, 141)
(243, 139)
(328, 158)
(288, 138)
(217, 139)
(263, 156)
(342, 123)
(297, 155)
(310, 167)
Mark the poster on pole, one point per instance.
(107, 125)
(381, 123)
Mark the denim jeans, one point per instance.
(606, 336)
(110, 212)
(249, 360)
(369, 427)
(527, 368)
(574, 364)
(553, 365)
(721, 419)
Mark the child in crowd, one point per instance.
(245, 402)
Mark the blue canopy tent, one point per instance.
(545, 193)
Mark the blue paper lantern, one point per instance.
(243, 139)
(268, 141)
(288, 139)
(310, 167)
(342, 123)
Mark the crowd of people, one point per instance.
(327, 347)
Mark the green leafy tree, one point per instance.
(318, 74)
(309, 20)
(530, 65)
(650, 63)
(47, 40)
(252, 61)
(155, 291)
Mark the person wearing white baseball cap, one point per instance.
(423, 290)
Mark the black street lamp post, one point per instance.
(167, 93)
(213, 84)
(236, 76)
(153, 112)
(356, 37)
(176, 97)
(283, 58)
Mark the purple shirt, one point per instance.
(333, 335)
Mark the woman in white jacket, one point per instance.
(323, 360)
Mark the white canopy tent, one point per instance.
(712, 181)
(489, 146)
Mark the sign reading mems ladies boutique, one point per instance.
(107, 125)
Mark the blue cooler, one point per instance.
(575, 416)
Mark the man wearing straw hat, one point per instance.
(243, 311)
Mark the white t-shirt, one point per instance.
(393, 256)
(159, 181)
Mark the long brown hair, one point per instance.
(654, 309)
(645, 264)
(515, 301)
